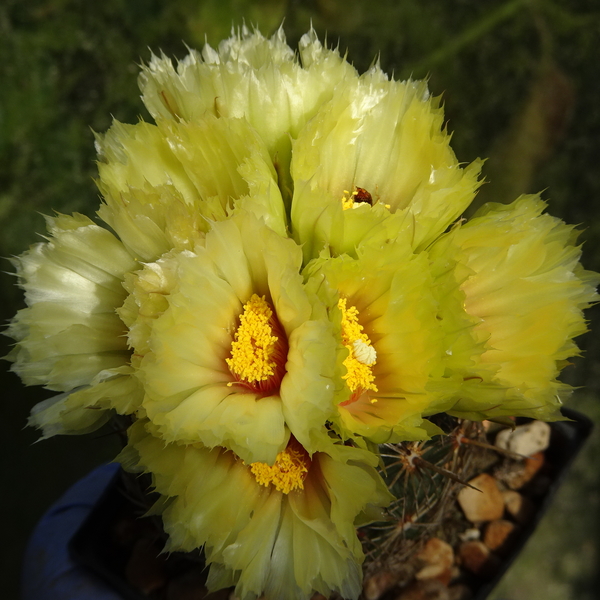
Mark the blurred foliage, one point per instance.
(518, 77)
(212, 20)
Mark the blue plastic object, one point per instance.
(49, 573)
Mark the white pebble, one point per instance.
(525, 439)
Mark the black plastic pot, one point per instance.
(567, 439)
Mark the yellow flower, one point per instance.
(524, 290)
(69, 338)
(280, 296)
(285, 530)
(164, 184)
(250, 77)
(375, 163)
(340, 132)
(232, 350)
(389, 337)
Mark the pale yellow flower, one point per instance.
(251, 77)
(232, 350)
(390, 340)
(285, 531)
(164, 184)
(69, 338)
(339, 131)
(373, 164)
(524, 289)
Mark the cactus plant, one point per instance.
(288, 302)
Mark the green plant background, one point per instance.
(521, 86)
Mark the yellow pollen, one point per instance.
(253, 343)
(348, 199)
(288, 472)
(362, 356)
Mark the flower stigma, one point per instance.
(259, 348)
(362, 356)
(289, 471)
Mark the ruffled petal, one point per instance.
(164, 184)
(183, 314)
(391, 289)
(252, 77)
(311, 381)
(70, 330)
(258, 538)
(526, 292)
(388, 139)
(88, 408)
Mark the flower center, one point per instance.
(289, 471)
(259, 348)
(362, 356)
(356, 198)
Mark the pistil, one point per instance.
(362, 356)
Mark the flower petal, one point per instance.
(391, 288)
(70, 331)
(163, 184)
(183, 313)
(258, 538)
(387, 137)
(252, 77)
(526, 291)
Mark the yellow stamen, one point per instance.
(357, 198)
(348, 199)
(362, 356)
(253, 350)
(288, 472)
